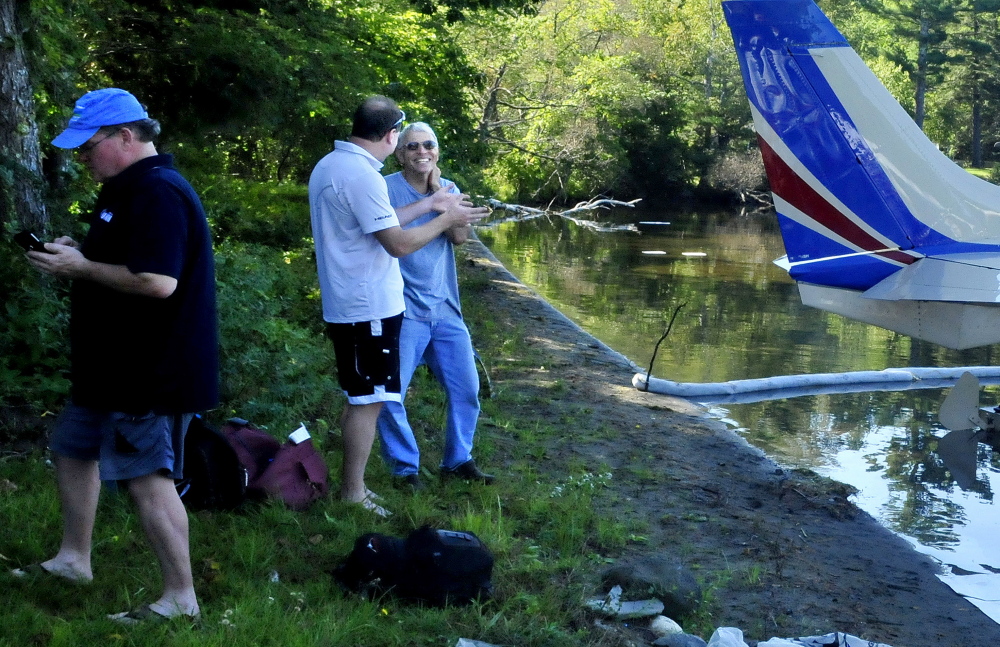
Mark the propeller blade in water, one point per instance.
(960, 410)
(958, 452)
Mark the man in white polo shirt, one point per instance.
(358, 238)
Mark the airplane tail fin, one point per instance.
(859, 190)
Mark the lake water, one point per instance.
(738, 316)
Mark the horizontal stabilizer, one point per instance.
(973, 278)
(950, 324)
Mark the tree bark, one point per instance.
(21, 184)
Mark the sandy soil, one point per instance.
(800, 558)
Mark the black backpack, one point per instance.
(437, 567)
(214, 478)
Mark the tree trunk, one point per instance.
(21, 185)
(491, 113)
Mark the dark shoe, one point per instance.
(409, 481)
(468, 471)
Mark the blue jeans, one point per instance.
(446, 347)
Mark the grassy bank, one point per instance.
(263, 573)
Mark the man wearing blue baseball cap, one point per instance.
(143, 340)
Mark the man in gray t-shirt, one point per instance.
(432, 330)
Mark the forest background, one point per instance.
(535, 101)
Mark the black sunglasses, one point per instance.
(399, 122)
(430, 145)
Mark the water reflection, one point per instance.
(741, 318)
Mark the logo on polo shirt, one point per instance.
(385, 217)
(106, 215)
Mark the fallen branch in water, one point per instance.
(519, 213)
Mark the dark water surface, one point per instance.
(741, 318)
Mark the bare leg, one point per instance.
(165, 523)
(79, 489)
(358, 424)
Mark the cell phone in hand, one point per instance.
(30, 242)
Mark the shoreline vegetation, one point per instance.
(591, 471)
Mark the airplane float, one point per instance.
(878, 225)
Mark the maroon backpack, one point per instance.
(293, 472)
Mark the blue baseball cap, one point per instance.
(105, 107)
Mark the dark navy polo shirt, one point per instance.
(135, 353)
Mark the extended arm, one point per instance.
(400, 242)
(66, 261)
(440, 201)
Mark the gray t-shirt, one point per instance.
(358, 279)
(430, 281)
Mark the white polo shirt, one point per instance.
(348, 203)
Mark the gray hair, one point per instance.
(416, 126)
(146, 130)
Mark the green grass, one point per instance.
(263, 573)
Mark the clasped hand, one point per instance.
(457, 206)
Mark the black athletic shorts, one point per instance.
(367, 359)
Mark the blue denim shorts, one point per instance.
(127, 446)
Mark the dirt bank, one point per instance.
(795, 556)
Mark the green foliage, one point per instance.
(273, 215)
(267, 87)
(631, 98)
(277, 368)
(660, 162)
(994, 174)
(34, 358)
(455, 9)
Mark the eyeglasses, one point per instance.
(430, 145)
(399, 122)
(89, 146)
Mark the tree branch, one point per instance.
(519, 213)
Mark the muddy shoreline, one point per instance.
(783, 553)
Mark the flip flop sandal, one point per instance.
(31, 570)
(39, 571)
(368, 504)
(146, 614)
